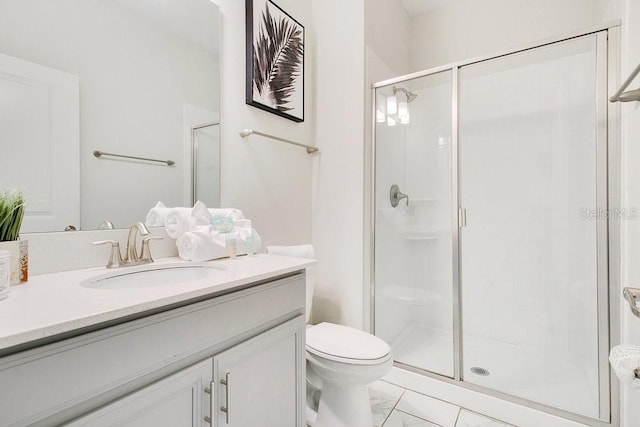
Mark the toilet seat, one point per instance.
(341, 343)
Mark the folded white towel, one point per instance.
(300, 251)
(625, 359)
(157, 215)
(199, 246)
(205, 244)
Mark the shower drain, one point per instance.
(480, 371)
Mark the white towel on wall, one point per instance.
(300, 251)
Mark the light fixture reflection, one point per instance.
(380, 116)
(391, 121)
(403, 110)
(392, 105)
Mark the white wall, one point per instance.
(338, 169)
(387, 34)
(630, 197)
(469, 28)
(135, 76)
(268, 180)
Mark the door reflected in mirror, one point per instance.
(130, 77)
(206, 164)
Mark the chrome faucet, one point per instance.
(131, 256)
(131, 252)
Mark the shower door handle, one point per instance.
(462, 217)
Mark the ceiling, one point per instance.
(418, 7)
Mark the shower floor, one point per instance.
(512, 369)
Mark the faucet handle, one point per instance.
(115, 257)
(146, 252)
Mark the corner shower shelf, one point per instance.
(410, 295)
(418, 233)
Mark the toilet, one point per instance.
(341, 362)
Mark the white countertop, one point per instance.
(56, 303)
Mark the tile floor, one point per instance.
(393, 406)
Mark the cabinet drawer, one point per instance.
(38, 383)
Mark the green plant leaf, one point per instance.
(11, 214)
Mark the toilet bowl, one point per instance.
(345, 360)
(341, 362)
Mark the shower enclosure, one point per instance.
(491, 224)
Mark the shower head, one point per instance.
(410, 95)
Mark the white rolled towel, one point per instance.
(202, 216)
(178, 222)
(157, 215)
(199, 246)
(625, 359)
(300, 251)
(204, 244)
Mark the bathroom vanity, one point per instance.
(223, 350)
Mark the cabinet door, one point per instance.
(260, 382)
(178, 400)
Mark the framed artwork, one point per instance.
(275, 60)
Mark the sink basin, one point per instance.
(153, 276)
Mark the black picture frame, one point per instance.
(274, 60)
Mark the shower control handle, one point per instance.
(395, 195)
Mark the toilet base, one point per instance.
(344, 407)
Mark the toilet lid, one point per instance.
(329, 339)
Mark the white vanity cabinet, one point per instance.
(229, 360)
(179, 400)
(257, 380)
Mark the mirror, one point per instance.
(135, 78)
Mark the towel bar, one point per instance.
(631, 95)
(99, 154)
(246, 132)
(632, 295)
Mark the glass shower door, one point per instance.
(530, 165)
(413, 237)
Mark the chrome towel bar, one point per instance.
(99, 154)
(246, 132)
(632, 95)
(632, 295)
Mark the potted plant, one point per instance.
(11, 214)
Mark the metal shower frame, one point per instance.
(608, 196)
